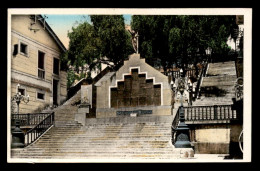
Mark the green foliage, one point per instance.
(64, 61)
(153, 39)
(115, 40)
(106, 37)
(83, 46)
(172, 38)
(168, 38)
(70, 78)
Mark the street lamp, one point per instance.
(18, 97)
(181, 87)
(174, 87)
(17, 133)
(208, 52)
(182, 130)
(181, 72)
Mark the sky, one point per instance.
(62, 24)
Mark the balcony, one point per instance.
(41, 73)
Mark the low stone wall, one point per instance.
(210, 138)
(129, 120)
(150, 110)
(211, 148)
(216, 138)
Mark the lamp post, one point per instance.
(18, 97)
(181, 72)
(208, 53)
(17, 133)
(173, 86)
(182, 130)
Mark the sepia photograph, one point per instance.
(126, 85)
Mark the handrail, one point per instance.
(202, 74)
(29, 119)
(74, 89)
(175, 123)
(176, 120)
(34, 133)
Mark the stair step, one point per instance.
(124, 137)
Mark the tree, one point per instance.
(83, 46)
(82, 51)
(219, 28)
(182, 38)
(115, 40)
(153, 39)
(90, 43)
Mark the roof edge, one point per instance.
(52, 33)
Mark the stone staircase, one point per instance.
(217, 87)
(142, 137)
(115, 138)
(120, 138)
(65, 114)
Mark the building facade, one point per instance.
(35, 63)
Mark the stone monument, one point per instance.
(85, 105)
(135, 42)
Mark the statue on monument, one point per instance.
(134, 39)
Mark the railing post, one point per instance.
(229, 108)
(207, 117)
(28, 118)
(41, 126)
(215, 112)
(53, 120)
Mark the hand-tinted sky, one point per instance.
(62, 24)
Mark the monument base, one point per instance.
(80, 117)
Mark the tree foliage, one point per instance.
(116, 41)
(171, 39)
(91, 42)
(181, 38)
(83, 46)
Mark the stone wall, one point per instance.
(136, 85)
(136, 90)
(63, 86)
(102, 86)
(210, 139)
(135, 62)
(216, 138)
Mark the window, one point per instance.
(22, 91)
(15, 50)
(41, 71)
(40, 95)
(41, 59)
(56, 66)
(23, 48)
